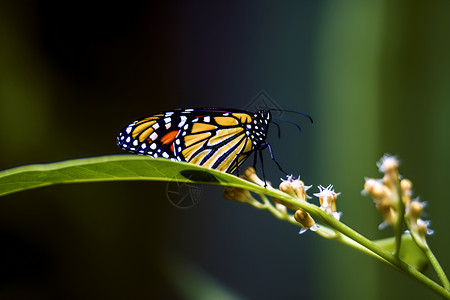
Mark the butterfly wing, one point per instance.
(154, 134)
(211, 137)
(219, 141)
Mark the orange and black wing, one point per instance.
(217, 138)
(220, 142)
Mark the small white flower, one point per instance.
(327, 198)
(326, 192)
(304, 229)
(290, 178)
(387, 162)
(425, 224)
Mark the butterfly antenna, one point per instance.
(299, 128)
(278, 127)
(293, 111)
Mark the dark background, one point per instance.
(374, 75)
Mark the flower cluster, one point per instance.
(293, 187)
(392, 197)
(297, 189)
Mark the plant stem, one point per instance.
(398, 226)
(361, 240)
(422, 244)
(399, 264)
(437, 267)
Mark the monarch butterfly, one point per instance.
(218, 138)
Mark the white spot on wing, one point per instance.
(153, 136)
(153, 146)
(182, 122)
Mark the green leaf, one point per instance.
(111, 168)
(119, 168)
(409, 251)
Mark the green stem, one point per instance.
(437, 267)
(322, 230)
(398, 226)
(422, 244)
(317, 213)
(386, 255)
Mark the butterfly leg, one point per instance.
(262, 167)
(272, 156)
(255, 158)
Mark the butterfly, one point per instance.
(217, 138)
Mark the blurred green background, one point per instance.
(375, 76)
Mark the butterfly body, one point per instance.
(218, 138)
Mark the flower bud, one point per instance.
(250, 175)
(387, 212)
(388, 164)
(286, 187)
(304, 218)
(237, 194)
(406, 187)
(327, 198)
(376, 189)
(422, 229)
(300, 189)
(414, 210)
